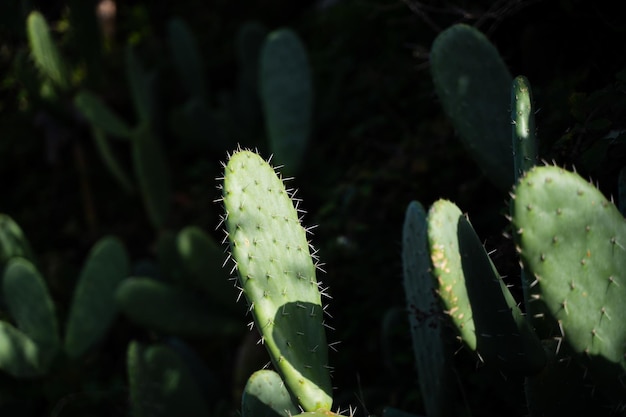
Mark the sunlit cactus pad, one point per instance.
(276, 272)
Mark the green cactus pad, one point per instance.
(161, 383)
(171, 310)
(111, 161)
(187, 58)
(572, 241)
(523, 126)
(45, 52)
(286, 94)
(474, 84)
(201, 261)
(32, 308)
(140, 83)
(265, 395)
(152, 172)
(432, 355)
(100, 115)
(13, 242)
(20, 357)
(277, 275)
(477, 300)
(93, 306)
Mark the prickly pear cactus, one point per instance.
(572, 242)
(473, 84)
(432, 354)
(475, 297)
(277, 275)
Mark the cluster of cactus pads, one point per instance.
(567, 339)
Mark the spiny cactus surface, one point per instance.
(277, 275)
(265, 395)
(572, 241)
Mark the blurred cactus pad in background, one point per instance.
(318, 208)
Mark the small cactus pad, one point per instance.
(161, 383)
(13, 242)
(479, 303)
(277, 276)
(45, 53)
(265, 395)
(473, 84)
(572, 241)
(32, 308)
(432, 355)
(171, 310)
(19, 355)
(93, 306)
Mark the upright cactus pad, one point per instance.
(432, 354)
(13, 242)
(473, 84)
(94, 307)
(277, 276)
(477, 300)
(572, 241)
(45, 53)
(286, 93)
(523, 126)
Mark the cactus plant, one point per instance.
(277, 275)
(569, 240)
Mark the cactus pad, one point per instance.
(277, 276)
(573, 242)
(94, 307)
(265, 395)
(474, 84)
(432, 355)
(286, 93)
(477, 300)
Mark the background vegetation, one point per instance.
(380, 139)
